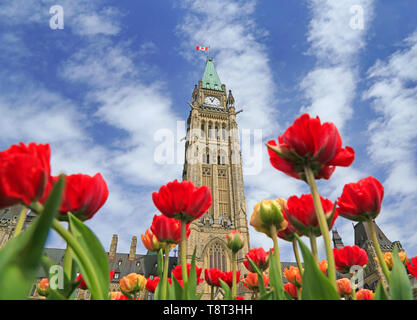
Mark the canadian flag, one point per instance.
(202, 48)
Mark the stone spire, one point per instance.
(113, 247)
(132, 251)
(210, 78)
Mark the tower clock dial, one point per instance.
(212, 101)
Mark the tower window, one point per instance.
(217, 257)
(202, 130)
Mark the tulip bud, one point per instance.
(151, 242)
(132, 283)
(344, 288)
(234, 241)
(43, 287)
(269, 213)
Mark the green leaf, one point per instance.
(400, 287)
(179, 295)
(226, 289)
(261, 286)
(20, 258)
(267, 296)
(316, 286)
(95, 252)
(380, 293)
(160, 264)
(192, 279)
(157, 294)
(275, 278)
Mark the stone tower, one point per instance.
(213, 158)
(373, 272)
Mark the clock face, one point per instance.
(212, 101)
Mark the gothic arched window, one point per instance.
(217, 257)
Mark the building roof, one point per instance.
(210, 78)
(143, 264)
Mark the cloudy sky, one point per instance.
(105, 86)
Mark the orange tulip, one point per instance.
(293, 276)
(344, 288)
(365, 294)
(251, 281)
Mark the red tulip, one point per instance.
(83, 195)
(177, 272)
(83, 285)
(151, 284)
(228, 277)
(182, 200)
(291, 289)
(412, 268)
(302, 214)
(167, 229)
(259, 257)
(212, 276)
(240, 298)
(308, 141)
(361, 201)
(349, 256)
(24, 173)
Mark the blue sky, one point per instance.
(101, 89)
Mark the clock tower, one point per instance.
(213, 158)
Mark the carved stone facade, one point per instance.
(213, 158)
(8, 221)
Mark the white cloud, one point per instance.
(393, 136)
(330, 87)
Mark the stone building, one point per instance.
(362, 238)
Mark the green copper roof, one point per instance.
(210, 78)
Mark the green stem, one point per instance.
(378, 251)
(165, 273)
(183, 249)
(234, 275)
(20, 222)
(68, 259)
(297, 255)
(82, 256)
(212, 293)
(314, 250)
(324, 228)
(276, 249)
